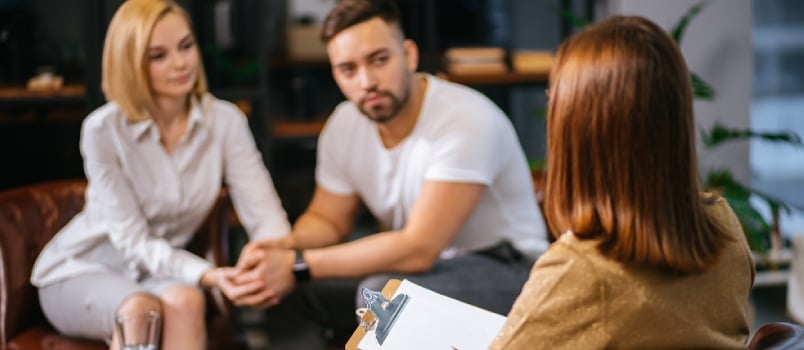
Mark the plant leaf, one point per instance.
(678, 30)
(756, 228)
(236, 69)
(722, 182)
(540, 113)
(536, 164)
(720, 134)
(701, 89)
(576, 21)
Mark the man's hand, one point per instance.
(263, 275)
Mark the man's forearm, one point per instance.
(312, 231)
(391, 251)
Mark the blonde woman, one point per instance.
(644, 260)
(155, 156)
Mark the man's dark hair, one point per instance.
(350, 12)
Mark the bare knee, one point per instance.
(140, 302)
(185, 299)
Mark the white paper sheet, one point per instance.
(434, 321)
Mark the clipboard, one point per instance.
(405, 315)
(368, 318)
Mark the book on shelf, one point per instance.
(458, 68)
(475, 60)
(474, 54)
(532, 61)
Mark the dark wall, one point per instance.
(39, 138)
(39, 141)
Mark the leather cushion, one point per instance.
(29, 217)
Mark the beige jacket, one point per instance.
(576, 298)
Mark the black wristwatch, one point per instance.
(300, 269)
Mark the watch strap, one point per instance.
(300, 269)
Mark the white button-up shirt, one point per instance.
(143, 204)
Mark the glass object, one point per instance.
(139, 330)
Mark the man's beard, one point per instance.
(381, 113)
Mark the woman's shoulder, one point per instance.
(218, 107)
(105, 115)
(581, 246)
(571, 249)
(218, 114)
(585, 253)
(719, 209)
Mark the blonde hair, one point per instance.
(125, 78)
(621, 149)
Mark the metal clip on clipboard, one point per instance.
(385, 312)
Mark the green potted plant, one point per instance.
(763, 236)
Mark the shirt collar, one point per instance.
(195, 119)
(139, 128)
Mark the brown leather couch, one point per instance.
(31, 215)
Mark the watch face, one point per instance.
(300, 269)
(299, 264)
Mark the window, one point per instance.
(778, 104)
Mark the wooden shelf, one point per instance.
(776, 276)
(19, 94)
(286, 128)
(771, 278)
(497, 78)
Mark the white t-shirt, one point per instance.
(460, 136)
(143, 204)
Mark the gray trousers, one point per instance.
(319, 309)
(84, 306)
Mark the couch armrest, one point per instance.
(40, 338)
(777, 336)
(29, 217)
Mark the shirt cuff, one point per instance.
(194, 269)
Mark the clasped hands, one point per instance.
(262, 277)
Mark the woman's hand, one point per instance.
(222, 278)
